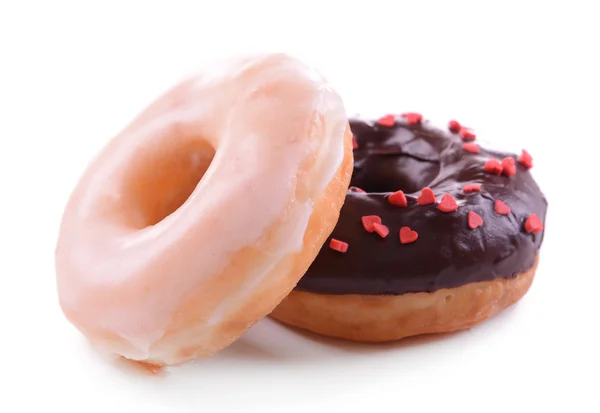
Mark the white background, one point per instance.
(522, 74)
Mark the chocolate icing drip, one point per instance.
(448, 253)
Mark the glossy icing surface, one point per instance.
(201, 203)
(447, 253)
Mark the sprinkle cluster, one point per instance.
(447, 203)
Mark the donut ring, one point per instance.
(437, 234)
(198, 218)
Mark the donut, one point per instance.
(436, 234)
(199, 217)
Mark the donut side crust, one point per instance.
(381, 318)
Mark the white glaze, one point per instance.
(118, 280)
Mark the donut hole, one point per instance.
(159, 182)
(389, 173)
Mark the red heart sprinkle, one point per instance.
(407, 235)
(398, 198)
(382, 230)
(427, 197)
(501, 208)
(467, 134)
(369, 220)
(454, 126)
(493, 166)
(533, 224)
(472, 188)
(354, 142)
(509, 160)
(471, 147)
(474, 220)
(508, 166)
(448, 204)
(525, 159)
(412, 118)
(387, 120)
(338, 245)
(357, 189)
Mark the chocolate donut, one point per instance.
(436, 234)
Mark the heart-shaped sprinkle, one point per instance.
(407, 235)
(471, 188)
(474, 220)
(508, 166)
(467, 134)
(337, 245)
(427, 197)
(357, 189)
(454, 126)
(493, 166)
(369, 220)
(501, 208)
(354, 142)
(533, 224)
(471, 147)
(412, 118)
(398, 199)
(525, 159)
(387, 120)
(447, 204)
(382, 230)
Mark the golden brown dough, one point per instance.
(379, 318)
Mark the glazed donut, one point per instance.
(436, 234)
(200, 216)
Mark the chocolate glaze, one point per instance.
(448, 253)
